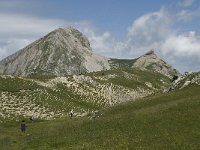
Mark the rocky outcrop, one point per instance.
(185, 80)
(151, 61)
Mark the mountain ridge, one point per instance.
(66, 51)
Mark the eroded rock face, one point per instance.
(152, 62)
(61, 52)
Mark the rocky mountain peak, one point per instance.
(64, 51)
(68, 35)
(151, 61)
(151, 52)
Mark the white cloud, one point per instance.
(187, 15)
(183, 51)
(105, 44)
(182, 45)
(151, 21)
(10, 45)
(22, 25)
(149, 31)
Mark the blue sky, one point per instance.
(108, 15)
(115, 28)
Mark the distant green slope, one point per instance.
(121, 63)
(164, 121)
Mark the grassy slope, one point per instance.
(133, 78)
(121, 63)
(166, 121)
(46, 95)
(64, 99)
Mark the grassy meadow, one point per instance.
(164, 121)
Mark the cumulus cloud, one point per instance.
(187, 15)
(105, 44)
(183, 50)
(149, 31)
(24, 25)
(182, 45)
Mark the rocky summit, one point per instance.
(152, 62)
(61, 52)
(66, 51)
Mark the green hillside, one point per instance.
(50, 97)
(121, 63)
(163, 121)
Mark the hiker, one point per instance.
(23, 126)
(71, 114)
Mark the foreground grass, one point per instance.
(167, 121)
